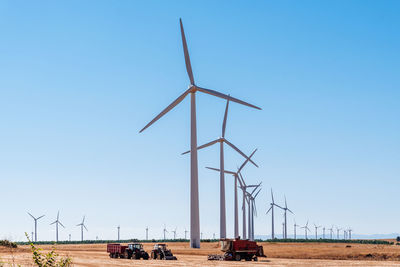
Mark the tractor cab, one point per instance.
(135, 246)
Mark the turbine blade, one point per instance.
(272, 195)
(203, 146)
(285, 203)
(241, 153)
(171, 106)
(225, 117)
(270, 208)
(58, 214)
(218, 170)
(61, 224)
(53, 222)
(257, 193)
(186, 52)
(218, 94)
(290, 211)
(32, 216)
(40, 217)
(85, 228)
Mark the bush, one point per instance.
(50, 259)
(9, 244)
(398, 239)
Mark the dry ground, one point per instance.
(279, 254)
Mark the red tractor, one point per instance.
(237, 250)
(161, 252)
(131, 251)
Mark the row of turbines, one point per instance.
(57, 222)
(285, 209)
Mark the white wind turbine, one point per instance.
(165, 231)
(174, 231)
(316, 230)
(252, 210)
(323, 229)
(236, 176)
(337, 231)
(272, 214)
(194, 183)
(285, 210)
(221, 140)
(350, 230)
(305, 227)
(57, 222)
(295, 226)
(331, 230)
(82, 225)
(35, 219)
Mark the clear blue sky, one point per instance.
(79, 79)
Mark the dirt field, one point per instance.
(279, 254)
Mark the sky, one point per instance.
(79, 79)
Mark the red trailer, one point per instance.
(117, 250)
(238, 249)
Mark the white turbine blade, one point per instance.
(241, 153)
(285, 203)
(257, 193)
(242, 180)
(40, 217)
(79, 224)
(272, 196)
(218, 94)
(278, 206)
(31, 216)
(186, 52)
(203, 146)
(85, 228)
(58, 214)
(83, 220)
(61, 224)
(255, 208)
(53, 222)
(171, 106)
(225, 117)
(290, 211)
(218, 170)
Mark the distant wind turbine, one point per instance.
(57, 222)
(35, 219)
(295, 226)
(285, 209)
(272, 214)
(331, 230)
(305, 227)
(337, 231)
(174, 231)
(147, 233)
(252, 210)
(316, 230)
(194, 190)
(82, 225)
(118, 228)
(165, 231)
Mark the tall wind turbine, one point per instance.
(323, 232)
(35, 219)
(57, 222)
(221, 140)
(350, 230)
(194, 190)
(82, 225)
(165, 231)
(237, 178)
(186, 233)
(305, 227)
(174, 231)
(286, 209)
(337, 231)
(252, 210)
(272, 214)
(147, 233)
(316, 230)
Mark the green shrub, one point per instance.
(398, 239)
(6, 243)
(50, 259)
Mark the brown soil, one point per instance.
(279, 254)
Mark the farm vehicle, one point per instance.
(131, 251)
(237, 250)
(161, 252)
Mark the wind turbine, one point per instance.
(316, 230)
(119, 228)
(243, 186)
(194, 190)
(350, 230)
(82, 225)
(331, 230)
(147, 233)
(164, 231)
(174, 233)
(324, 231)
(285, 209)
(295, 226)
(35, 219)
(283, 230)
(272, 214)
(186, 233)
(57, 222)
(221, 140)
(305, 227)
(252, 210)
(337, 231)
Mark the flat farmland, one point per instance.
(279, 254)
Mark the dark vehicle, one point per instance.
(161, 252)
(131, 251)
(237, 250)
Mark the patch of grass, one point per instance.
(7, 243)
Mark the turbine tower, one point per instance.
(286, 209)
(337, 231)
(350, 230)
(174, 233)
(323, 232)
(221, 140)
(295, 226)
(194, 183)
(35, 219)
(305, 227)
(236, 176)
(331, 230)
(147, 233)
(316, 230)
(57, 222)
(165, 231)
(118, 228)
(82, 225)
(272, 214)
(186, 233)
(252, 210)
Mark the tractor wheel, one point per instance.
(248, 258)
(111, 255)
(136, 256)
(153, 256)
(238, 257)
(145, 256)
(255, 259)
